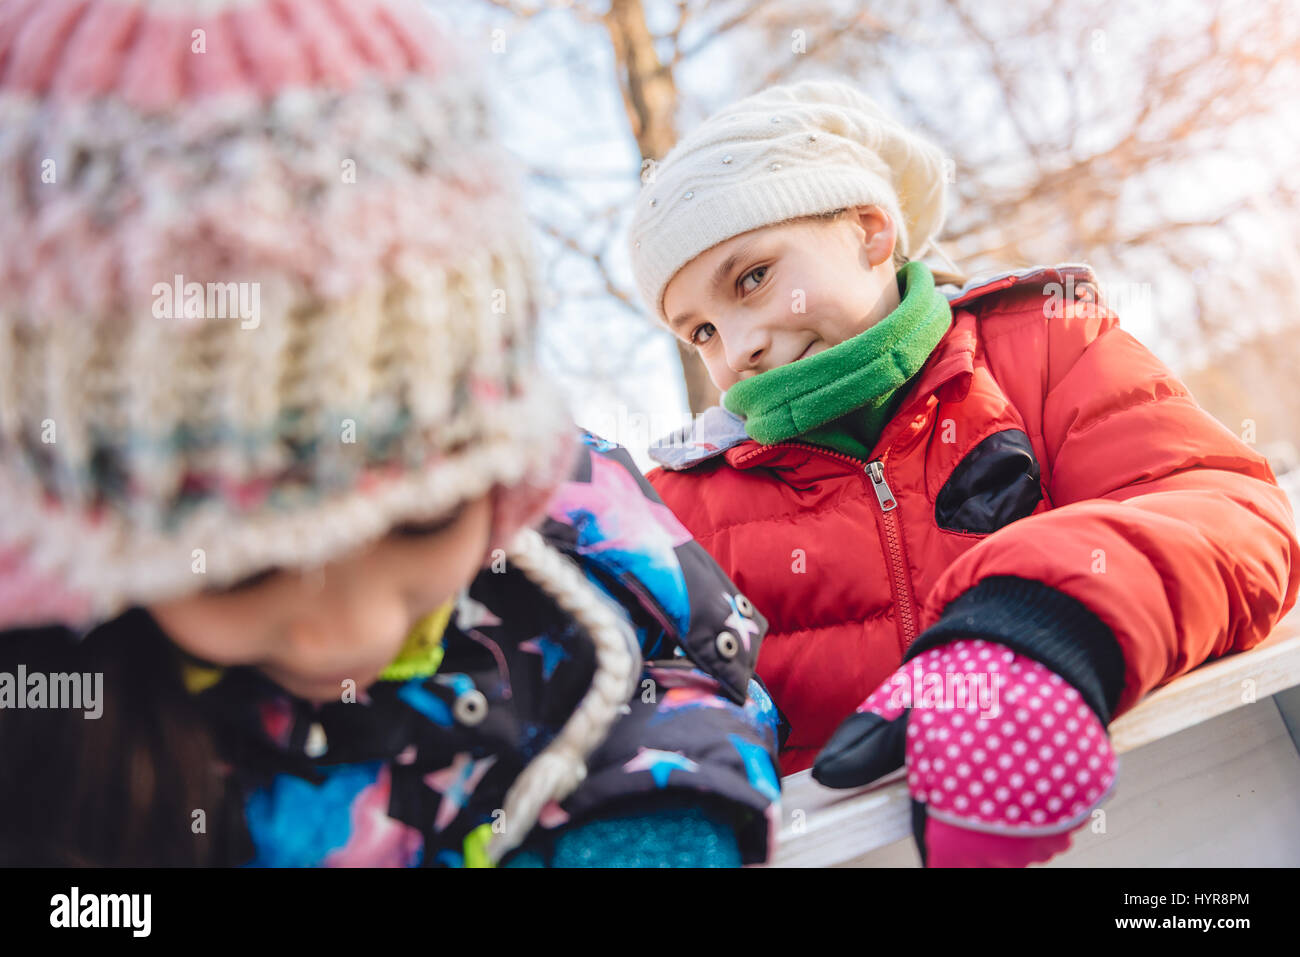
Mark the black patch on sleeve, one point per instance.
(996, 484)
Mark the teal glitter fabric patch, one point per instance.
(669, 837)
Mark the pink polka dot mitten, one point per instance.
(1004, 757)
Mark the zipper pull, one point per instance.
(876, 470)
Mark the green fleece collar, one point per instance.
(843, 396)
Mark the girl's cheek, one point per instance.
(794, 302)
(442, 571)
(225, 630)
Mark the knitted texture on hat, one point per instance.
(790, 151)
(265, 292)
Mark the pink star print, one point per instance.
(552, 815)
(614, 495)
(456, 783)
(377, 840)
(660, 764)
(681, 697)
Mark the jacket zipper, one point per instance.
(894, 534)
(899, 578)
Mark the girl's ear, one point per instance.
(878, 233)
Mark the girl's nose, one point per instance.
(748, 348)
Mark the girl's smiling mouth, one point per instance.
(805, 352)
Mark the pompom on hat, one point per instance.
(265, 292)
(789, 151)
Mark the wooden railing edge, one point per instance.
(824, 827)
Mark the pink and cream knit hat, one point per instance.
(789, 151)
(265, 292)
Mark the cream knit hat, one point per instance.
(789, 151)
(265, 293)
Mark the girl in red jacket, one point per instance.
(981, 521)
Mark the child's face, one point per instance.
(774, 295)
(310, 631)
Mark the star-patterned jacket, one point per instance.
(415, 771)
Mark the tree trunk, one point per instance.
(650, 98)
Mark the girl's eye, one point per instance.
(246, 584)
(695, 340)
(425, 529)
(756, 274)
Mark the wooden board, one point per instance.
(1208, 774)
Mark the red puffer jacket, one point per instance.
(1041, 454)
